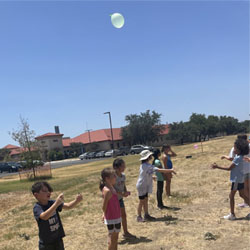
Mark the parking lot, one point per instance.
(60, 164)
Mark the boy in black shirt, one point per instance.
(46, 212)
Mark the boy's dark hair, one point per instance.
(165, 146)
(106, 172)
(243, 146)
(118, 163)
(37, 187)
(242, 136)
(155, 154)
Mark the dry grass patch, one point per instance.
(200, 199)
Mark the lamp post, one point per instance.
(88, 130)
(110, 128)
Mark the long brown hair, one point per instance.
(106, 173)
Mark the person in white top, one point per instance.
(246, 169)
(145, 184)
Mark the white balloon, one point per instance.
(117, 20)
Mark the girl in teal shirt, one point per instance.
(160, 179)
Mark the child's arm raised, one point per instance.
(73, 203)
(214, 165)
(173, 154)
(50, 211)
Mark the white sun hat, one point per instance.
(145, 154)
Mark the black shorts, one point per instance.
(143, 196)
(58, 245)
(237, 186)
(114, 228)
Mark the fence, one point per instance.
(40, 172)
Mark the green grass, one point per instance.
(60, 183)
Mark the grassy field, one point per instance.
(201, 194)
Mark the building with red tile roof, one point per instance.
(101, 138)
(48, 135)
(10, 147)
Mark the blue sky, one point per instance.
(63, 63)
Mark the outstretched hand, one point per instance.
(174, 172)
(79, 198)
(214, 165)
(60, 199)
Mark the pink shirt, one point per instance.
(113, 212)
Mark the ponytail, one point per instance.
(156, 154)
(106, 173)
(101, 185)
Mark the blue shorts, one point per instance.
(237, 186)
(121, 203)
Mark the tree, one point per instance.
(212, 125)
(228, 124)
(4, 154)
(199, 124)
(26, 139)
(143, 128)
(76, 148)
(180, 132)
(244, 127)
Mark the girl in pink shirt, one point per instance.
(111, 207)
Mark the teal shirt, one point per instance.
(158, 175)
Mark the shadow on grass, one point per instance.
(134, 241)
(167, 218)
(172, 208)
(243, 218)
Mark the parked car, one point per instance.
(100, 154)
(90, 155)
(15, 164)
(38, 163)
(112, 153)
(5, 167)
(109, 153)
(136, 149)
(83, 156)
(124, 151)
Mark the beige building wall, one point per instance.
(51, 143)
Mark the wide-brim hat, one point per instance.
(145, 154)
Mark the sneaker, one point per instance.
(147, 217)
(129, 235)
(230, 217)
(140, 219)
(243, 205)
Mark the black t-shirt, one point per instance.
(50, 230)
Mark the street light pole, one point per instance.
(88, 130)
(110, 128)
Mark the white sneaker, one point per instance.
(229, 217)
(243, 205)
